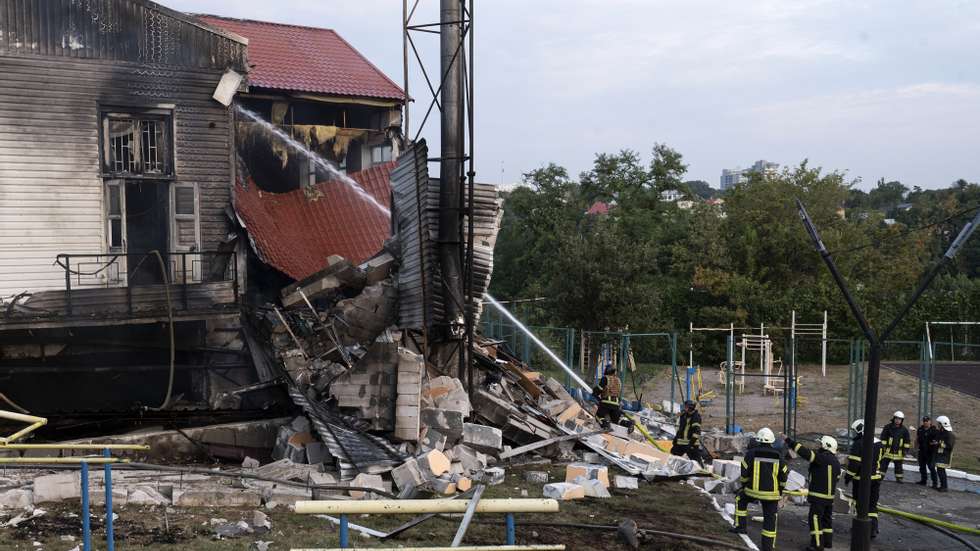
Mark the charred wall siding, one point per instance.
(51, 187)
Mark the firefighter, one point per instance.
(825, 469)
(763, 479)
(608, 395)
(923, 436)
(853, 472)
(942, 451)
(688, 438)
(896, 441)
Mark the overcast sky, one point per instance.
(878, 89)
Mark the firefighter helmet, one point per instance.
(765, 435)
(828, 443)
(944, 421)
(898, 415)
(858, 426)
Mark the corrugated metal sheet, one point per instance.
(416, 225)
(138, 31)
(416, 220)
(51, 189)
(355, 451)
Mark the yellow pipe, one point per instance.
(134, 447)
(559, 547)
(643, 430)
(22, 417)
(60, 460)
(937, 522)
(419, 506)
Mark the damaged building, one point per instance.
(215, 226)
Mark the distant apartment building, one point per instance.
(731, 177)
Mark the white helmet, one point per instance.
(944, 421)
(898, 415)
(858, 426)
(828, 443)
(765, 435)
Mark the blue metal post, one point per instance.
(86, 526)
(110, 540)
(511, 532)
(344, 533)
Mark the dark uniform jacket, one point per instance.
(942, 448)
(922, 439)
(764, 473)
(824, 471)
(609, 388)
(895, 440)
(688, 429)
(854, 460)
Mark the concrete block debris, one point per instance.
(592, 487)
(590, 472)
(536, 477)
(483, 438)
(564, 491)
(446, 393)
(449, 423)
(434, 463)
(621, 482)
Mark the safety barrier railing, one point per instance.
(106, 459)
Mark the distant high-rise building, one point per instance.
(734, 176)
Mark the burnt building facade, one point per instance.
(116, 173)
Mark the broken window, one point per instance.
(137, 144)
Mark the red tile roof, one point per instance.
(307, 59)
(295, 234)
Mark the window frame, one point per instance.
(136, 116)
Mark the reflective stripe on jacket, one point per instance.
(895, 440)
(688, 429)
(824, 471)
(764, 473)
(854, 460)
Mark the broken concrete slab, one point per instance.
(17, 499)
(260, 522)
(146, 495)
(590, 472)
(378, 268)
(56, 487)
(365, 480)
(446, 393)
(408, 475)
(536, 477)
(621, 482)
(564, 491)
(449, 423)
(493, 476)
(471, 460)
(216, 497)
(483, 438)
(433, 440)
(592, 487)
(433, 464)
(231, 529)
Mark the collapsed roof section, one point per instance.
(295, 232)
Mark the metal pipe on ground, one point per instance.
(610, 528)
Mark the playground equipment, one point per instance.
(803, 330)
(106, 459)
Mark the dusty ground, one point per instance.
(668, 506)
(823, 406)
